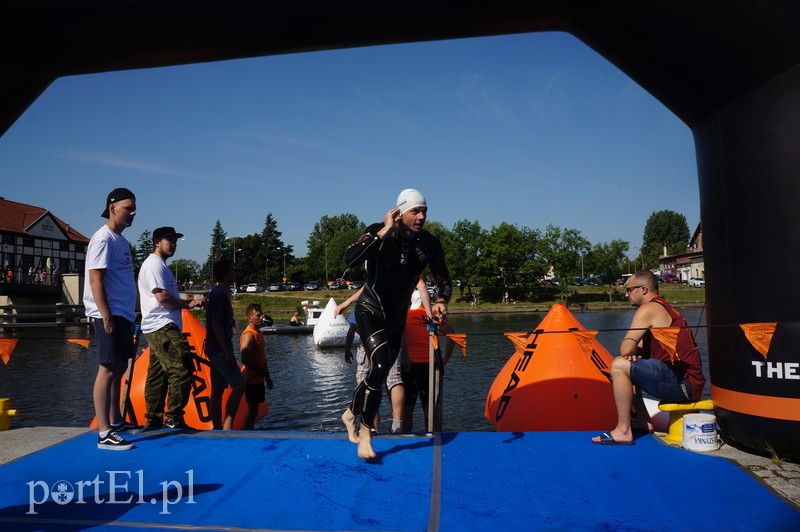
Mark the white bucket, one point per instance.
(700, 432)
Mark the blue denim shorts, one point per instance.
(659, 380)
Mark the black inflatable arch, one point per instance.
(727, 68)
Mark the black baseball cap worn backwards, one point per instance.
(118, 194)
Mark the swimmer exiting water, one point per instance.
(395, 253)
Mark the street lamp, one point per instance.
(234, 248)
(283, 248)
(266, 272)
(175, 263)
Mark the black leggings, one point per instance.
(382, 345)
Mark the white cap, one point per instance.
(410, 198)
(416, 300)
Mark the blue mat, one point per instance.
(313, 481)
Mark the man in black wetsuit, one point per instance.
(395, 254)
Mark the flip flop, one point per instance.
(607, 439)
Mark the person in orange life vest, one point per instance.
(254, 358)
(645, 363)
(416, 354)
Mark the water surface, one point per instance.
(50, 380)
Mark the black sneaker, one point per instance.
(152, 424)
(122, 425)
(175, 422)
(113, 442)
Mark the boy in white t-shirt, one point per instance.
(110, 299)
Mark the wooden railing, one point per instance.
(58, 315)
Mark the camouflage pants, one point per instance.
(169, 374)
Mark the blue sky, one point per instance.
(531, 129)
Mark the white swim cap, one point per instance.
(410, 198)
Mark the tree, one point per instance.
(274, 252)
(607, 261)
(663, 228)
(321, 246)
(144, 247)
(185, 270)
(510, 262)
(464, 250)
(217, 251)
(563, 249)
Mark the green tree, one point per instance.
(320, 244)
(218, 251)
(663, 228)
(562, 248)
(510, 262)
(144, 247)
(270, 256)
(185, 270)
(607, 260)
(464, 250)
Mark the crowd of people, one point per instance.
(393, 315)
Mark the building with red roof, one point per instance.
(34, 238)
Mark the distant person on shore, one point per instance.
(254, 357)
(219, 348)
(649, 364)
(169, 374)
(395, 253)
(110, 300)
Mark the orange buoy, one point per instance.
(196, 413)
(557, 381)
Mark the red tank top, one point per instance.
(417, 336)
(249, 375)
(688, 364)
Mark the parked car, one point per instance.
(672, 279)
(697, 282)
(254, 287)
(335, 285)
(292, 285)
(312, 285)
(355, 285)
(276, 287)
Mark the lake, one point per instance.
(49, 380)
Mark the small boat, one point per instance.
(312, 314)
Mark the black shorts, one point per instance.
(255, 393)
(115, 348)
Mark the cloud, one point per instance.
(140, 166)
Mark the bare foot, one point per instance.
(365, 450)
(349, 420)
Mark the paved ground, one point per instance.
(781, 476)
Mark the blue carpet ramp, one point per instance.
(561, 480)
(284, 483)
(314, 481)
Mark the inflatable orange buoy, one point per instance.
(196, 413)
(556, 381)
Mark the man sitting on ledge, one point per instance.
(649, 364)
